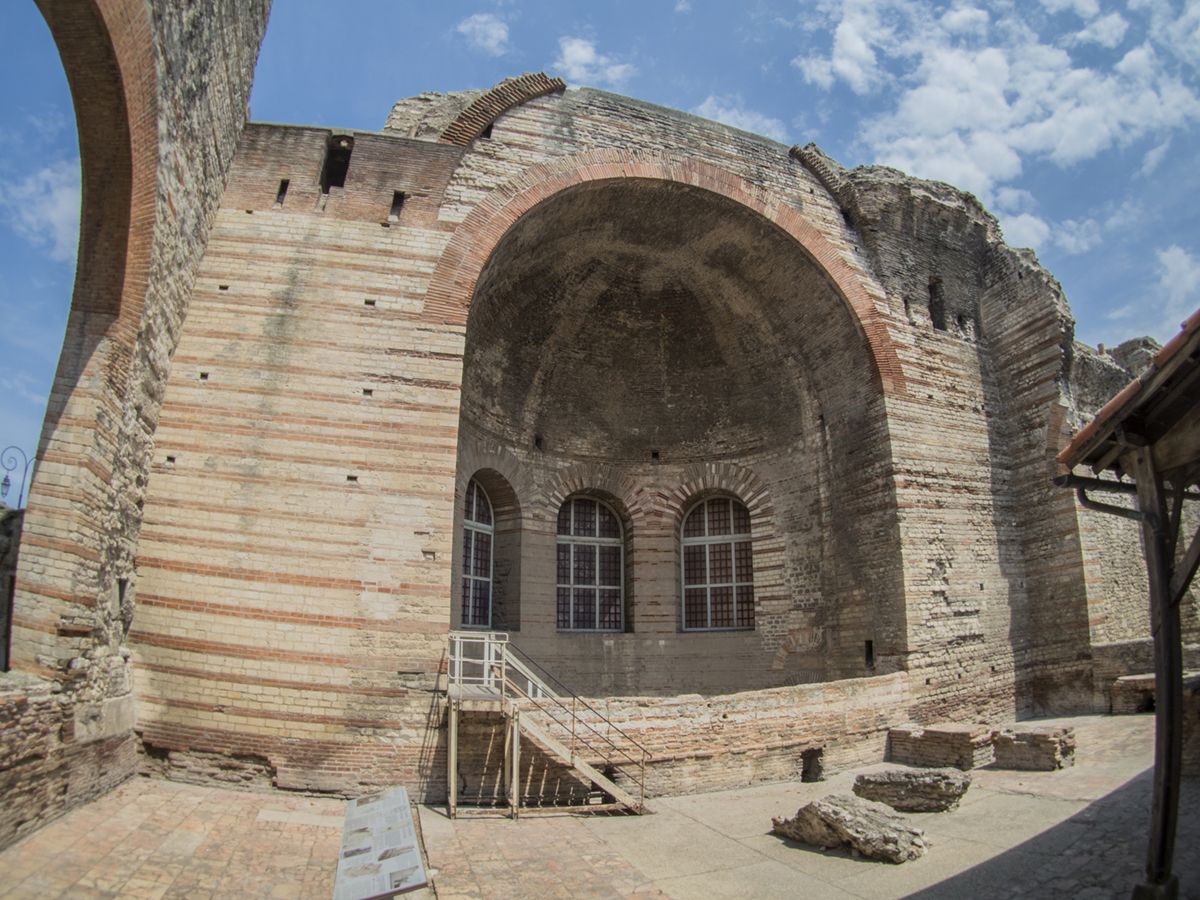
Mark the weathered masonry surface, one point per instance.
(160, 91)
(253, 566)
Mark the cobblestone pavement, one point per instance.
(1079, 833)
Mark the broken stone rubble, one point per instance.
(868, 828)
(914, 790)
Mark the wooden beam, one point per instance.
(1168, 677)
(515, 783)
(1186, 569)
(1181, 445)
(452, 760)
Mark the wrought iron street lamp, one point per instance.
(11, 463)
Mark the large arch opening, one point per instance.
(659, 335)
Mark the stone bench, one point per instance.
(942, 744)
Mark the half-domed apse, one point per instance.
(672, 344)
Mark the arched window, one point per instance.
(591, 566)
(718, 566)
(477, 558)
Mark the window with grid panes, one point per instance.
(591, 567)
(477, 558)
(718, 566)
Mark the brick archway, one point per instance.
(65, 571)
(452, 288)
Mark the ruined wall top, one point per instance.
(427, 115)
(459, 118)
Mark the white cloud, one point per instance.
(1178, 286)
(579, 61)
(816, 70)
(969, 97)
(1014, 200)
(683, 6)
(1178, 32)
(1075, 236)
(1085, 9)
(965, 20)
(730, 111)
(485, 32)
(1024, 230)
(43, 208)
(1107, 31)
(1154, 157)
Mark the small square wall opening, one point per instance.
(337, 161)
(811, 767)
(937, 304)
(397, 205)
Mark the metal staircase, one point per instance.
(486, 673)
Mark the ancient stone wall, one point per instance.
(10, 538)
(322, 369)
(52, 758)
(341, 377)
(138, 71)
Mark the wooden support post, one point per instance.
(452, 760)
(515, 761)
(1168, 681)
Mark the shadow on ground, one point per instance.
(1102, 853)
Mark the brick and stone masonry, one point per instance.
(244, 533)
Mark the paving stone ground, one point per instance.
(158, 839)
(1078, 833)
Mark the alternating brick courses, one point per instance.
(604, 298)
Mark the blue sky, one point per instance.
(1076, 121)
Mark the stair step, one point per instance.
(564, 755)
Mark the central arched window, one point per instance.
(591, 566)
(718, 566)
(478, 532)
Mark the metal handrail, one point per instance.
(521, 664)
(528, 660)
(499, 660)
(575, 718)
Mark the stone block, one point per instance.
(943, 744)
(1039, 748)
(108, 718)
(868, 828)
(914, 790)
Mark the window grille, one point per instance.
(717, 566)
(591, 567)
(478, 534)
